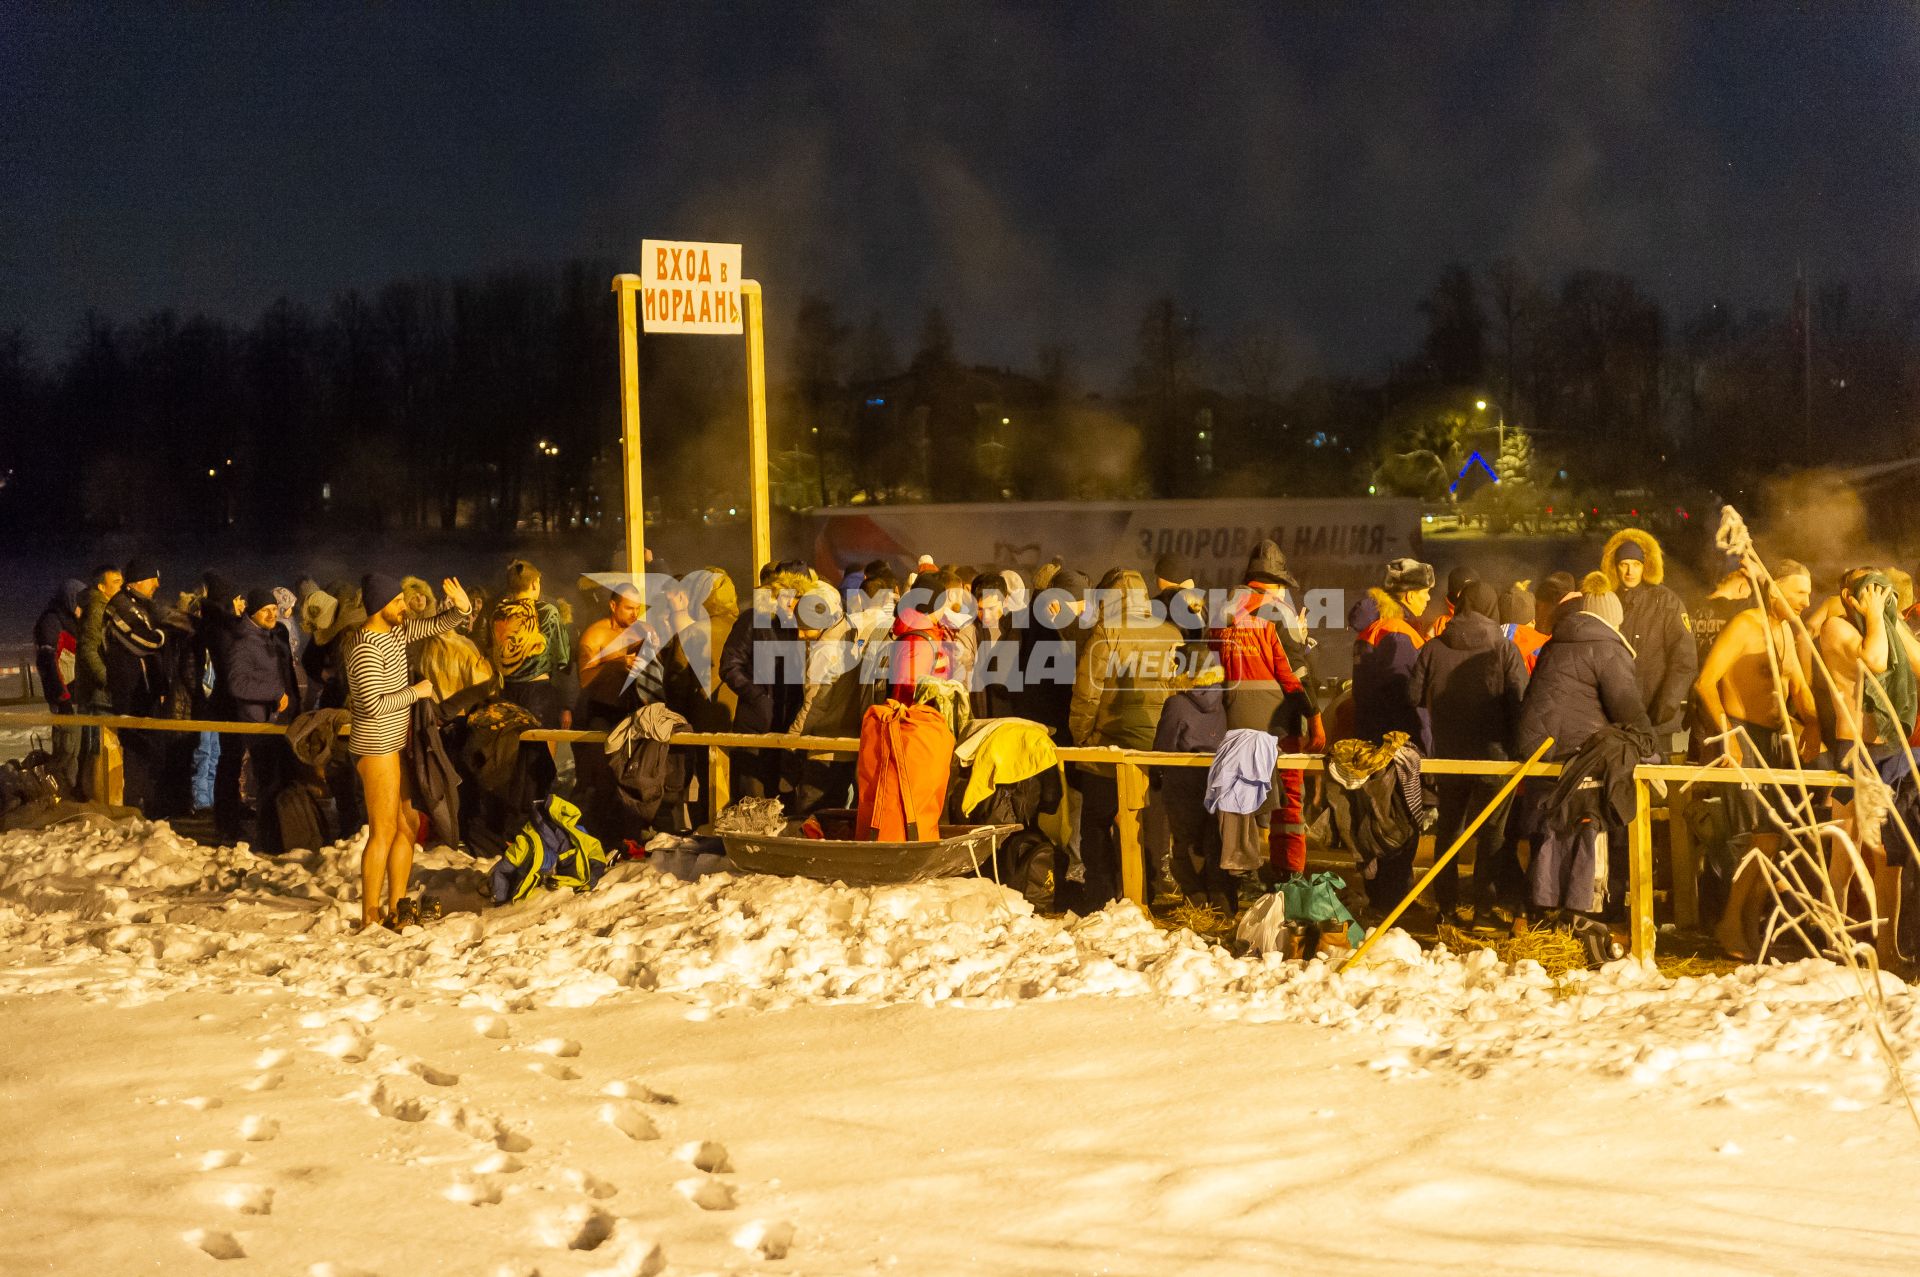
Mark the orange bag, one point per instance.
(906, 756)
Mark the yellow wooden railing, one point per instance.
(1131, 766)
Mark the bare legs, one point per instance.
(387, 862)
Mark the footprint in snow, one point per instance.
(497, 1163)
(265, 1082)
(636, 1091)
(590, 1184)
(349, 1045)
(574, 1228)
(215, 1243)
(559, 1048)
(336, 1270)
(432, 1076)
(767, 1238)
(271, 1058)
(219, 1159)
(248, 1199)
(638, 1258)
(629, 1121)
(201, 1103)
(485, 1128)
(492, 1026)
(704, 1155)
(556, 1070)
(400, 1108)
(707, 1194)
(256, 1129)
(472, 1192)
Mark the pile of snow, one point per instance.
(136, 912)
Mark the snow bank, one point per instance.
(136, 912)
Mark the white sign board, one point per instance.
(689, 288)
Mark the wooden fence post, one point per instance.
(1132, 782)
(1685, 857)
(1640, 876)
(719, 780)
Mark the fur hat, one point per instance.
(1409, 574)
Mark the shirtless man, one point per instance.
(1737, 696)
(610, 655)
(1736, 687)
(1855, 636)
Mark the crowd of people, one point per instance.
(1609, 667)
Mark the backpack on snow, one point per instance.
(550, 854)
(296, 824)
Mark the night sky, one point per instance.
(1041, 170)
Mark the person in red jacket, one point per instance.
(1264, 693)
(925, 634)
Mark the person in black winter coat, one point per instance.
(1654, 622)
(56, 647)
(764, 662)
(135, 680)
(1584, 681)
(1051, 632)
(256, 685)
(1471, 680)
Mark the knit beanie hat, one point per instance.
(1516, 607)
(1458, 580)
(1409, 574)
(1172, 568)
(220, 590)
(139, 570)
(1072, 580)
(1478, 597)
(259, 598)
(1605, 605)
(377, 589)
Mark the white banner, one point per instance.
(1330, 544)
(687, 287)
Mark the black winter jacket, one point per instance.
(1583, 682)
(134, 641)
(765, 665)
(55, 634)
(253, 666)
(1048, 660)
(1665, 657)
(1471, 680)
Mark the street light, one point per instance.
(1480, 405)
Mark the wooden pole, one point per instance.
(1440, 861)
(759, 503)
(627, 287)
(1640, 876)
(1132, 784)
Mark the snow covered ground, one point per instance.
(206, 1066)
